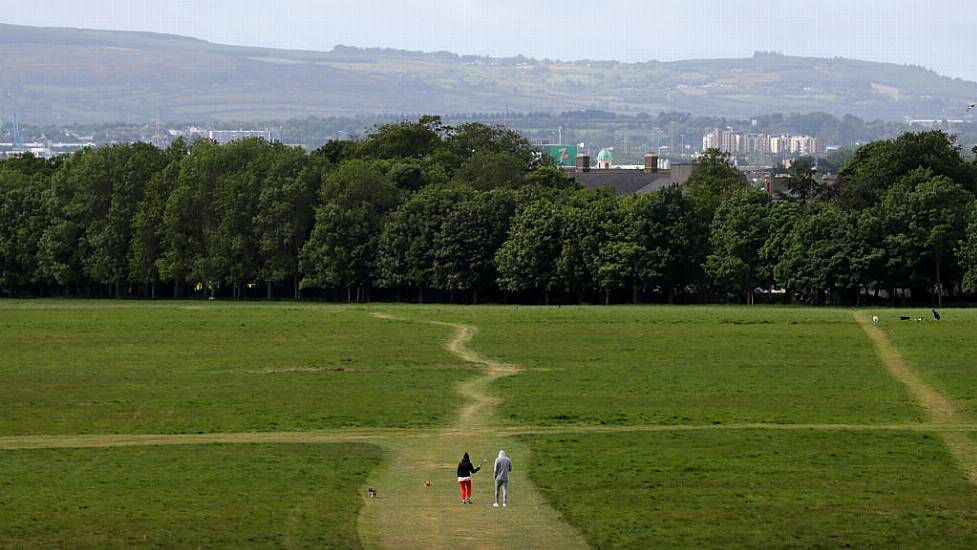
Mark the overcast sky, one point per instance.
(938, 34)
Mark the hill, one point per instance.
(71, 75)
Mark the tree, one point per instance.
(527, 259)
(816, 259)
(488, 170)
(926, 218)
(673, 240)
(782, 220)
(737, 233)
(712, 180)
(803, 184)
(469, 236)
(22, 218)
(876, 167)
(147, 223)
(285, 214)
(342, 249)
(341, 252)
(404, 140)
(967, 251)
(474, 138)
(407, 245)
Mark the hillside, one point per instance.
(69, 75)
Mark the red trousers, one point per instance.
(466, 489)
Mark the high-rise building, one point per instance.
(713, 139)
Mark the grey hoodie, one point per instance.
(502, 467)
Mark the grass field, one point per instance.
(640, 426)
(686, 365)
(104, 367)
(758, 489)
(944, 352)
(208, 496)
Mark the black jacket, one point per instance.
(465, 468)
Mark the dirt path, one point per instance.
(386, 436)
(410, 514)
(939, 410)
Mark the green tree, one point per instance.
(403, 140)
(285, 214)
(147, 223)
(968, 254)
(23, 182)
(736, 236)
(712, 181)
(343, 247)
(803, 184)
(488, 170)
(474, 138)
(926, 218)
(816, 261)
(527, 259)
(673, 239)
(466, 243)
(878, 166)
(620, 248)
(407, 246)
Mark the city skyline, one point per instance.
(933, 34)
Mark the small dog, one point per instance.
(372, 492)
(427, 483)
(875, 319)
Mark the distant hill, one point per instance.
(61, 76)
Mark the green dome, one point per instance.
(604, 155)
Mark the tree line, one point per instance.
(423, 211)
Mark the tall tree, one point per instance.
(407, 246)
(926, 218)
(527, 259)
(816, 260)
(674, 241)
(342, 249)
(467, 240)
(737, 233)
(711, 182)
(285, 214)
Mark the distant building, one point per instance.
(730, 141)
(652, 176)
(712, 140)
(227, 136)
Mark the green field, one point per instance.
(758, 489)
(184, 368)
(184, 497)
(688, 365)
(640, 426)
(944, 352)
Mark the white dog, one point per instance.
(875, 319)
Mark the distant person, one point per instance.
(465, 471)
(502, 468)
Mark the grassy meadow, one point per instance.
(201, 496)
(685, 365)
(943, 352)
(758, 489)
(694, 374)
(107, 367)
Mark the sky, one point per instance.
(937, 34)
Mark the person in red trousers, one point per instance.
(465, 471)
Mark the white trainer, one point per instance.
(496, 505)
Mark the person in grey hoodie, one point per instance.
(502, 468)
